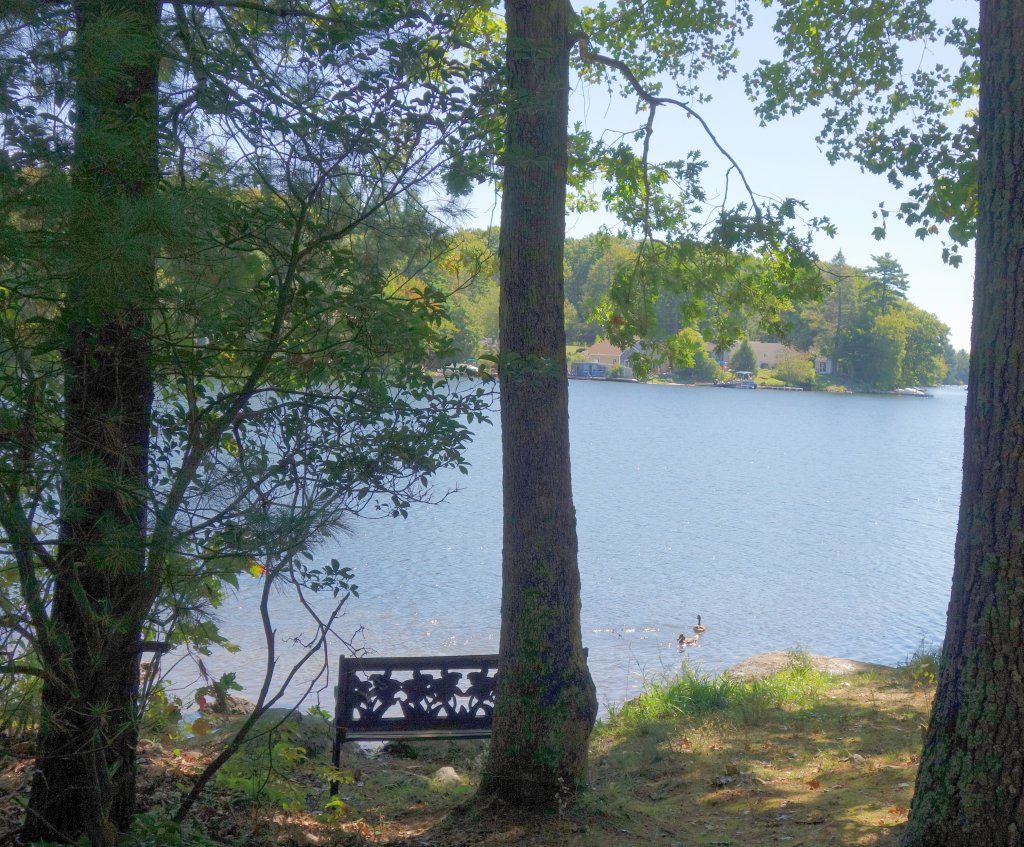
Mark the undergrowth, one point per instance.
(922, 666)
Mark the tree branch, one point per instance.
(24, 670)
(278, 11)
(655, 100)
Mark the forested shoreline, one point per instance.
(864, 322)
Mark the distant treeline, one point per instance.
(874, 335)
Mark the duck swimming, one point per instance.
(700, 629)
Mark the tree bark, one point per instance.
(84, 781)
(970, 785)
(546, 702)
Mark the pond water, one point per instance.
(788, 520)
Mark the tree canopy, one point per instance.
(214, 272)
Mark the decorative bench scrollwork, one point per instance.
(381, 698)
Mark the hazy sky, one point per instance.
(783, 160)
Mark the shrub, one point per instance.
(922, 666)
(704, 369)
(795, 370)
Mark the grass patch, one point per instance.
(797, 686)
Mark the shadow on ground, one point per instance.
(838, 772)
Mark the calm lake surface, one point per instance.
(786, 519)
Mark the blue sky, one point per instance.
(783, 160)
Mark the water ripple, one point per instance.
(786, 520)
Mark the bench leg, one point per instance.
(339, 739)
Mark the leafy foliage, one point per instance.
(717, 253)
(873, 334)
(290, 319)
(897, 88)
(795, 370)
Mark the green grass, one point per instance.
(693, 694)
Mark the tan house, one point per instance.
(768, 354)
(605, 353)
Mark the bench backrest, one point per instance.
(406, 694)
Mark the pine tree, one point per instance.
(546, 702)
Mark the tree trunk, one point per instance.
(84, 781)
(970, 785)
(546, 703)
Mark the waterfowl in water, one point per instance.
(700, 629)
(688, 641)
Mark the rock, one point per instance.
(765, 664)
(233, 707)
(446, 777)
(400, 749)
(857, 759)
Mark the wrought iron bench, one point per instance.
(383, 698)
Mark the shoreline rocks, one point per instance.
(765, 664)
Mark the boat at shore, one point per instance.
(744, 379)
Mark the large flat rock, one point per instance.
(765, 664)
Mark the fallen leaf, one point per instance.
(813, 784)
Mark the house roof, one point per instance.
(602, 348)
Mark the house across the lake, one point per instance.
(605, 353)
(768, 354)
(600, 357)
(590, 370)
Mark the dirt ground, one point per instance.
(839, 773)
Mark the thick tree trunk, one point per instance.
(84, 782)
(970, 786)
(546, 702)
